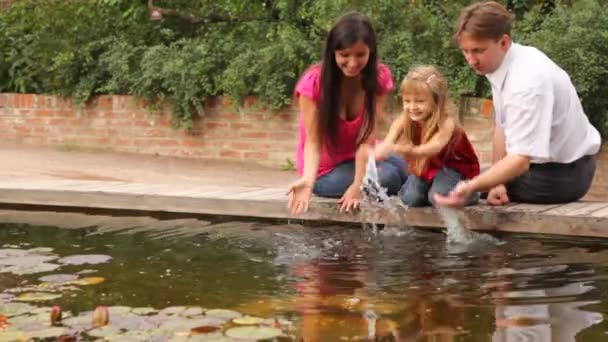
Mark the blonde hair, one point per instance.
(484, 20)
(425, 79)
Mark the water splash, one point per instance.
(456, 234)
(375, 199)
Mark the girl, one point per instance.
(436, 148)
(341, 101)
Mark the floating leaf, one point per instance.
(58, 278)
(144, 311)
(204, 329)
(223, 313)
(26, 260)
(91, 259)
(5, 297)
(104, 331)
(12, 336)
(119, 310)
(86, 272)
(172, 310)
(253, 333)
(12, 252)
(15, 309)
(37, 297)
(192, 311)
(181, 324)
(248, 320)
(88, 281)
(29, 268)
(40, 250)
(46, 333)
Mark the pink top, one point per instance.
(348, 131)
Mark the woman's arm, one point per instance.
(312, 147)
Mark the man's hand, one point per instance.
(498, 195)
(457, 197)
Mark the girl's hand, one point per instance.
(382, 150)
(299, 193)
(351, 198)
(403, 149)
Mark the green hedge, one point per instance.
(239, 48)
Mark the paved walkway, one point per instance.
(96, 179)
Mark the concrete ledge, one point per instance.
(580, 218)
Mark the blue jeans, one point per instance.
(417, 192)
(392, 172)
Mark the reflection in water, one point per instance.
(337, 283)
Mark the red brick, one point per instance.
(193, 142)
(230, 154)
(33, 121)
(253, 135)
(240, 125)
(243, 146)
(24, 101)
(283, 135)
(213, 125)
(104, 103)
(229, 116)
(256, 155)
(44, 112)
(168, 142)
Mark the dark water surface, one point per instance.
(334, 283)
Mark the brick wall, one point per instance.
(124, 123)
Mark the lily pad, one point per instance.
(58, 278)
(172, 310)
(104, 331)
(12, 336)
(40, 250)
(47, 333)
(248, 320)
(130, 322)
(144, 311)
(192, 311)
(37, 297)
(29, 268)
(87, 271)
(15, 309)
(223, 313)
(118, 310)
(91, 259)
(26, 260)
(253, 333)
(88, 281)
(12, 252)
(5, 297)
(180, 324)
(78, 322)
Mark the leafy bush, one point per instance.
(239, 48)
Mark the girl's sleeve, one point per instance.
(309, 83)
(385, 80)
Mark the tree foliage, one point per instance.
(237, 48)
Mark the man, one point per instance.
(544, 146)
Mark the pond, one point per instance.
(223, 280)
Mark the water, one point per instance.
(331, 282)
(376, 200)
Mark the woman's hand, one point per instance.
(351, 198)
(300, 193)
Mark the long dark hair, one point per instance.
(348, 30)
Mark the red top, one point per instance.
(458, 154)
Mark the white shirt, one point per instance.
(539, 110)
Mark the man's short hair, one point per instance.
(484, 20)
